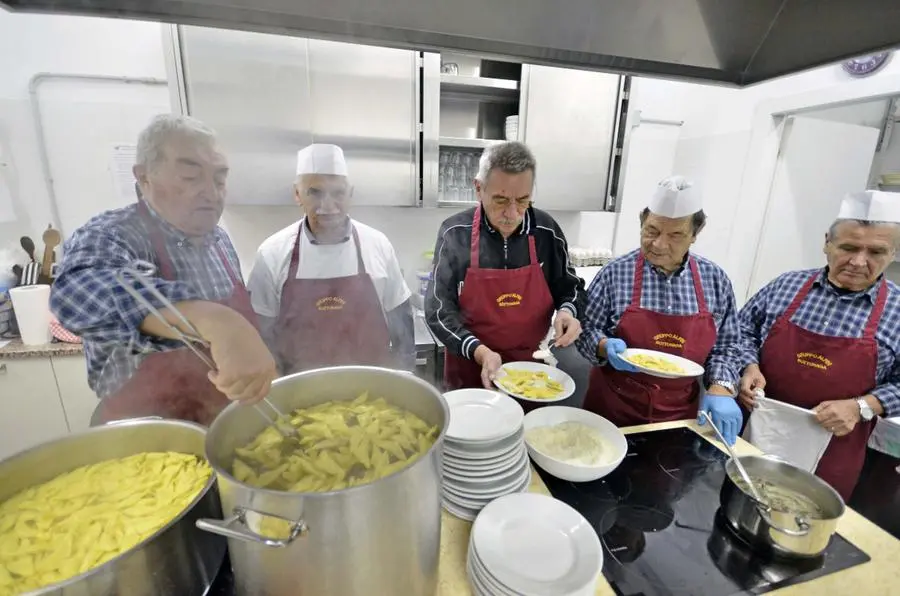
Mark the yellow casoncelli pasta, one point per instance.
(657, 363)
(533, 384)
(83, 518)
(342, 444)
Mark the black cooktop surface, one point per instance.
(657, 518)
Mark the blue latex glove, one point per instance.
(725, 414)
(614, 349)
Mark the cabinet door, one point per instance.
(253, 89)
(78, 399)
(570, 117)
(30, 409)
(364, 99)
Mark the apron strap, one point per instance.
(166, 269)
(474, 251)
(532, 249)
(295, 252)
(698, 286)
(236, 280)
(877, 310)
(799, 297)
(638, 284)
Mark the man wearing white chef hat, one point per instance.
(829, 340)
(662, 297)
(328, 289)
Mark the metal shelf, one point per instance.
(467, 143)
(480, 87)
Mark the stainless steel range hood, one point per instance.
(736, 42)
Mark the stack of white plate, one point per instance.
(533, 545)
(512, 128)
(484, 451)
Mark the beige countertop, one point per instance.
(881, 575)
(16, 349)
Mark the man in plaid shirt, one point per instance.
(134, 364)
(663, 298)
(828, 340)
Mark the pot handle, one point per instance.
(236, 527)
(801, 522)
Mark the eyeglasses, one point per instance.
(503, 202)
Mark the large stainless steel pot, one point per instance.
(179, 559)
(379, 539)
(782, 532)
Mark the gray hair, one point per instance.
(865, 223)
(511, 157)
(161, 129)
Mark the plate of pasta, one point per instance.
(536, 382)
(661, 364)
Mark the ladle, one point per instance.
(734, 458)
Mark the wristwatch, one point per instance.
(865, 410)
(727, 385)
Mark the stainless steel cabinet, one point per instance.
(270, 95)
(569, 121)
(253, 88)
(365, 99)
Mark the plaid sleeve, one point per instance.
(888, 393)
(87, 299)
(724, 361)
(751, 318)
(596, 318)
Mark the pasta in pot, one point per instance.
(341, 444)
(83, 518)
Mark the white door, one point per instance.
(819, 162)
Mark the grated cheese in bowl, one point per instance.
(570, 442)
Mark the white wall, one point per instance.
(727, 145)
(31, 44)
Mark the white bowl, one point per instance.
(551, 415)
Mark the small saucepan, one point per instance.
(797, 516)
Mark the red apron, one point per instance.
(330, 322)
(174, 383)
(805, 368)
(509, 310)
(626, 398)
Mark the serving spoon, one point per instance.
(737, 462)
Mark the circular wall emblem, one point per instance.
(865, 65)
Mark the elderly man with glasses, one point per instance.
(501, 272)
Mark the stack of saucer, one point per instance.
(533, 545)
(484, 451)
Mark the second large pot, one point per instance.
(781, 532)
(379, 538)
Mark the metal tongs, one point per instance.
(737, 461)
(140, 271)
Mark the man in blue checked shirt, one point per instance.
(134, 365)
(828, 340)
(663, 298)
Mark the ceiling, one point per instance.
(732, 42)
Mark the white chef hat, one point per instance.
(675, 197)
(871, 205)
(320, 158)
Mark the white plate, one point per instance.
(537, 545)
(491, 452)
(473, 473)
(554, 373)
(691, 368)
(479, 415)
(479, 501)
(484, 463)
(459, 511)
(484, 477)
(487, 492)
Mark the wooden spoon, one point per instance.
(51, 240)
